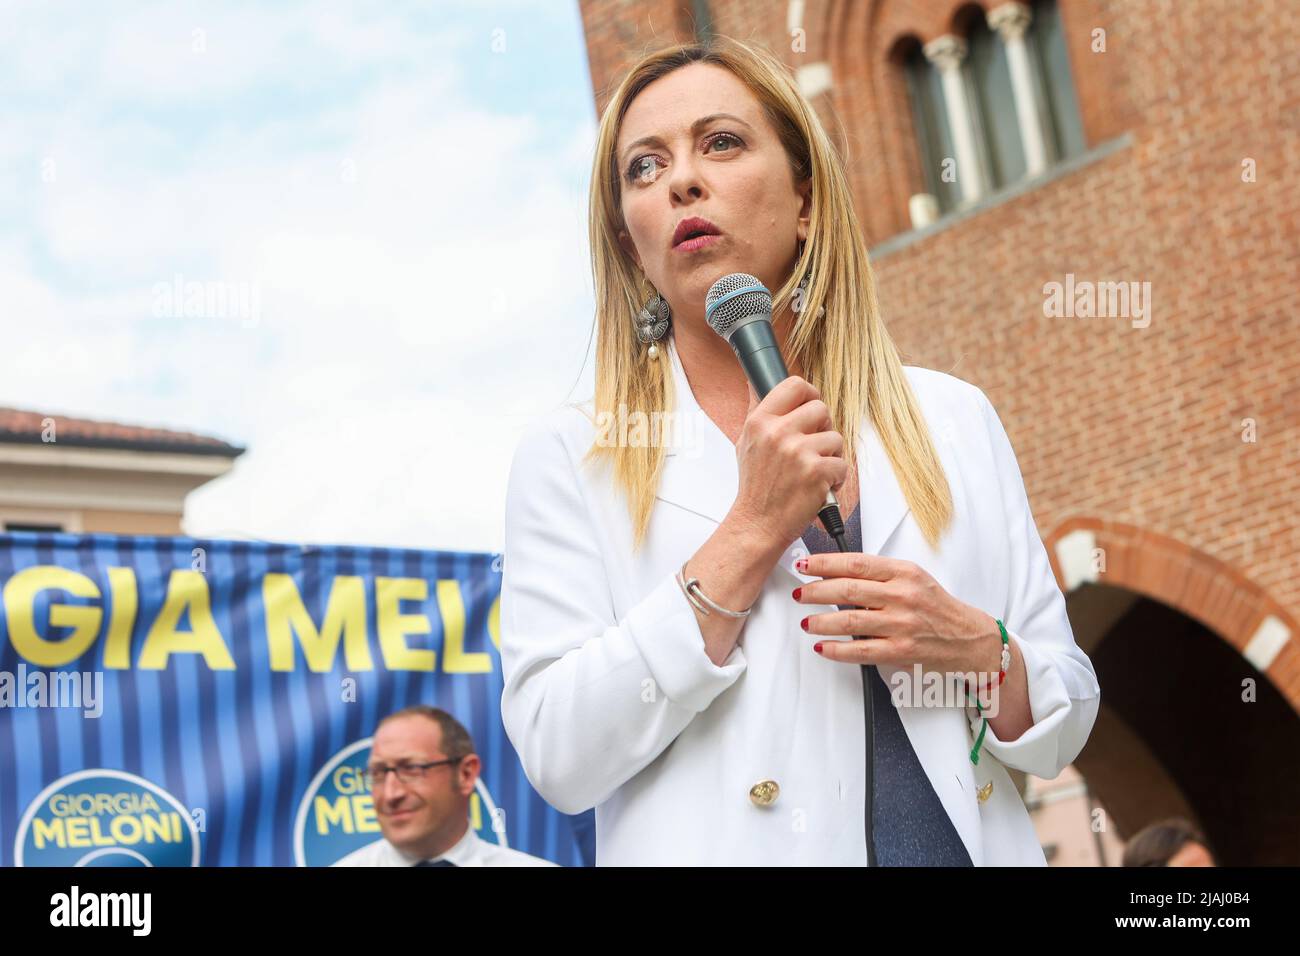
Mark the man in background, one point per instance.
(422, 771)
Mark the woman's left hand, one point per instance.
(905, 613)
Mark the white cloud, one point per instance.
(420, 259)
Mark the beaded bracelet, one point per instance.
(1005, 664)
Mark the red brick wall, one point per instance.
(1112, 423)
(620, 31)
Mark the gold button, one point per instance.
(984, 791)
(764, 793)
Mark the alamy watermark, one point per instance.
(1088, 300)
(677, 430)
(71, 689)
(130, 910)
(922, 688)
(217, 299)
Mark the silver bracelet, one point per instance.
(691, 588)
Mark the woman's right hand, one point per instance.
(788, 456)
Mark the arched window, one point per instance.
(996, 105)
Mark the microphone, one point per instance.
(739, 308)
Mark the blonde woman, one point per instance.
(677, 629)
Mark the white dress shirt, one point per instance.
(468, 851)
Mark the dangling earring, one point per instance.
(804, 283)
(652, 322)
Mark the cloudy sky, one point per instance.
(391, 200)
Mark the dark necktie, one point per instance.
(435, 863)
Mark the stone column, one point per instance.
(947, 53)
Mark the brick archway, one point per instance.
(1176, 638)
(1089, 550)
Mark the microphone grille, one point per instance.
(733, 298)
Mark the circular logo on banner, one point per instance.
(337, 813)
(106, 818)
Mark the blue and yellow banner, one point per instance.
(186, 702)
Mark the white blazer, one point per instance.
(612, 703)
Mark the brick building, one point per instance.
(1087, 208)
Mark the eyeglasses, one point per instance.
(407, 772)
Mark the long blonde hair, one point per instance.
(854, 364)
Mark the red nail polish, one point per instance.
(818, 647)
(804, 624)
(801, 564)
(796, 592)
